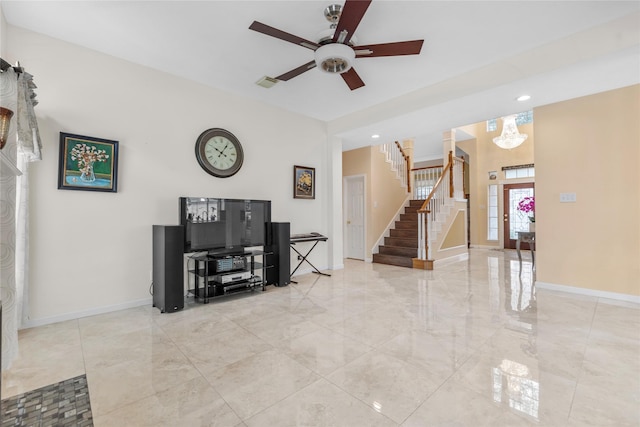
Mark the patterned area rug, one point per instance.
(63, 404)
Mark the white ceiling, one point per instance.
(478, 56)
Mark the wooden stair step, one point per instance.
(412, 216)
(406, 225)
(414, 205)
(402, 245)
(410, 233)
(399, 250)
(393, 260)
(406, 242)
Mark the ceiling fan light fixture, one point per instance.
(510, 136)
(332, 13)
(334, 58)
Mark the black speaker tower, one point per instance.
(168, 282)
(279, 274)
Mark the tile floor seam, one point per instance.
(366, 403)
(360, 400)
(584, 352)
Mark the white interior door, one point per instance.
(354, 217)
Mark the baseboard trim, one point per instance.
(85, 313)
(308, 270)
(495, 248)
(453, 258)
(588, 292)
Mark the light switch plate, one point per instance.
(567, 197)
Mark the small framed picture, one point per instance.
(87, 163)
(304, 182)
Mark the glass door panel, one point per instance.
(514, 220)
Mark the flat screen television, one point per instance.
(224, 225)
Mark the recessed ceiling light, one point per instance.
(376, 136)
(523, 98)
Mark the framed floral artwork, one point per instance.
(87, 163)
(304, 182)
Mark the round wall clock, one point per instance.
(219, 152)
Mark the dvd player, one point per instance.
(232, 277)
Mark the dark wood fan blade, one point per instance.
(350, 17)
(352, 79)
(412, 47)
(297, 71)
(279, 34)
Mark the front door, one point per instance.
(514, 220)
(354, 217)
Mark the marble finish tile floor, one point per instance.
(472, 343)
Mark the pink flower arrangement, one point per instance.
(528, 207)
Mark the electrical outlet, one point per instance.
(567, 197)
(299, 257)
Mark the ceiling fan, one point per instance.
(335, 50)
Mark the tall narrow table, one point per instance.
(309, 237)
(530, 238)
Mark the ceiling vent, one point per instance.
(267, 82)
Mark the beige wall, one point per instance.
(485, 156)
(589, 146)
(384, 194)
(387, 195)
(455, 236)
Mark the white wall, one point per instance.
(91, 251)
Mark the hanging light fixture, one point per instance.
(5, 121)
(510, 137)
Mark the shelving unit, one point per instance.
(211, 281)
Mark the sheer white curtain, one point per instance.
(16, 90)
(9, 99)
(22, 242)
(29, 146)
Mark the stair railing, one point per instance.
(457, 178)
(424, 179)
(449, 185)
(399, 162)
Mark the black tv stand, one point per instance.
(221, 274)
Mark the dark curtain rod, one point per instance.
(4, 66)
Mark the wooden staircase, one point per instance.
(402, 245)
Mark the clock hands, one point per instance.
(221, 152)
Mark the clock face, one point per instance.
(219, 152)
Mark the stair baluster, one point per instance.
(399, 160)
(448, 187)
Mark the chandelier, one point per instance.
(510, 137)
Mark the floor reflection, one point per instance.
(512, 383)
(515, 380)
